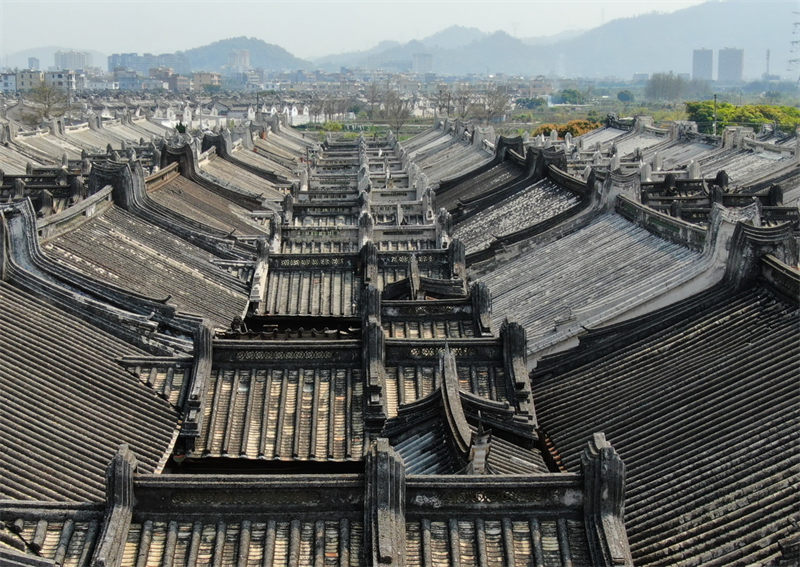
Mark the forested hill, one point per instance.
(263, 55)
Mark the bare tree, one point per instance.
(665, 86)
(444, 100)
(492, 104)
(315, 106)
(373, 97)
(462, 101)
(397, 110)
(342, 106)
(413, 100)
(48, 102)
(328, 107)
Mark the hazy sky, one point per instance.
(305, 28)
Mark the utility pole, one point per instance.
(715, 114)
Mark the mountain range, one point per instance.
(643, 44)
(648, 43)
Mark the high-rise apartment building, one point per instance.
(703, 64)
(730, 65)
(73, 59)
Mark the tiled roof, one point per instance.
(283, 412)
(147, 126)
(121, 249)
(276, 540)
(523, 209)
(229, 175)
(94, 140)
(13, 162)
(306, 381)
(49, 146)
(453, 161)
(424, 438)
(407, 382)
(481, 184)
(434, 320)
(701, 401)
(67, 404)
(499, 540)
(597, 266)
(38, 536)
(196, 202)
(309, 289)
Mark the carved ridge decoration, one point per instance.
(426, 259)
(396, 351)
(267, 495)
(280, 352)
(400, 309)
(284, 355)
(279, 500)
(320, 261)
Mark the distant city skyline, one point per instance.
(307, 29)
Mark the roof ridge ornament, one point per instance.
(451, 398)
(604, 504)
(119, 508)
(384, 505)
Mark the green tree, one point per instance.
(569, 96)
(332, 126)
(787, 118)
(531, 103)
(625, 96)
(354, 105)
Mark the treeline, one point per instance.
(786, 118)
(668, 86)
